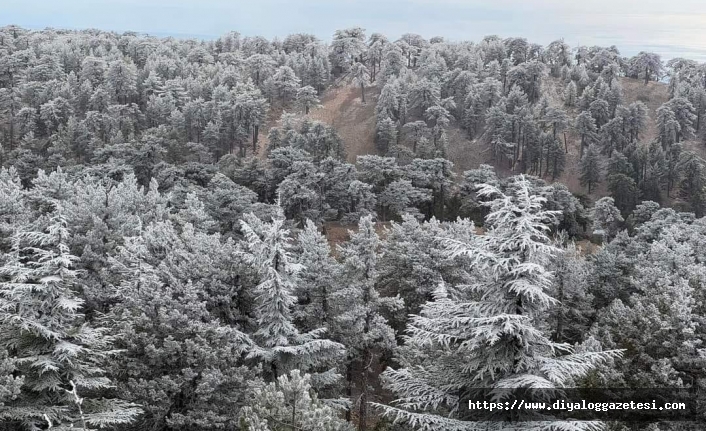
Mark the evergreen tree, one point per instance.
(365, 330)
(316, 291)
(360, 77)
(307, 98)
(289, 404)
(570, 95)
(53, 346)
(684, 114)
(286, 84)
(556, 158)
(572, 314)
(647, 65)
(585, 126)
(624, 190)
(590, 168)
(386, 134)
(445, 360)
(280, 346)
(668, 127)
(607, 219)
(693, 184)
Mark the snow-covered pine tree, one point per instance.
(360, 76)
(10, 383)
(178, 322)
(316, 284)
(365, 330)
(571, 315)
(279, 344)
(590, 166)
(307, 98)
(290, 404)
(486, 335)
(51, 343)
(606, 218)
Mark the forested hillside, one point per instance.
(171, 254)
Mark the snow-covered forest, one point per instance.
(170, 256)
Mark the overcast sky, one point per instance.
(672, 28)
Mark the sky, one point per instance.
(674, 28)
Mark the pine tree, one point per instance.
(280, 345)
(693, 184)
(402, 197)
(386, 135)
(52, 344)
(413, 259)
(585, 126)
(290, 404)
(685, 115)
(360, 77)
(607, 219)
(179, 315)
(624, 190)
(570, 94)
(648, 66)
(485, 335)
(307, 98)
(571, 315)
(590, 168)
(365, 330)
(556, 158)
(657, 321)
(316, 287)
(668, 127)
(286, 84)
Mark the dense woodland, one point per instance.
(165, 210)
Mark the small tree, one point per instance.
(606, 217)
(361, 77)
(590, 168)
(52, 344)
(570, 94)
(290, 404)
(280, 345)
(585, 126)
(647, 65)
(307, 98)
(386, 134)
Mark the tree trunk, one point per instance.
(566, 145)
(349, 386)
(363, 406)
(294, 412)
(362, 92)
(255, 134)
(698, 119)
(560, 314)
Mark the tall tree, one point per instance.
(307, 98)
(498, 340)
(590, 168)
(290, 404)
(280, 345)
(366, 331)
(647, 65)
(361, 77)
(56, 350)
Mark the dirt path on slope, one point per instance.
(354, 120)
